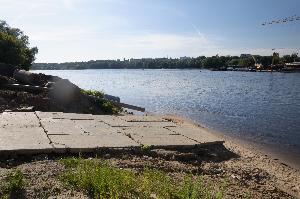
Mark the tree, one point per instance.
(14, 47)
(276, 58)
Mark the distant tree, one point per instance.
(234, 62)
(14, 47)
(246, 62)
(287, 59)
(295, 57)
(212, 62)
(276, 58)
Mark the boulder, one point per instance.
(28, 78)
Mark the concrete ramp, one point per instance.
(48, 132)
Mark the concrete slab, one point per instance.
(60, 115)
(136, 118)
(60, 126)
(113, 121)
(201, 135)
(19, 119)
(158, 137)
(62, 132)
(87, 143)
(24, 140)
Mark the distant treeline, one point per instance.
(214, 62)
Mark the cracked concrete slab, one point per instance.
(68, 132)
(152, 136)
(24, 140)
(86, 143)
(200, 135)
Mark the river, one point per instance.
(262, 108)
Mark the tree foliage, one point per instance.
(214, 62)
(14, 47)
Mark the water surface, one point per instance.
(261, 107)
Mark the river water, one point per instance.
(263, 108)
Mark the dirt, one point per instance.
(244, 177)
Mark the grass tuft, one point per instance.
(101, 180)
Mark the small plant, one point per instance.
(13, 185)
(105, 105)
(145, 148)
(93, 93)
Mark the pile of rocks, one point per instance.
(25, 91)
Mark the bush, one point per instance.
(105, 105)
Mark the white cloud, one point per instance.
(70, 47)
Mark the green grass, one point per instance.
(105, 105)
(13, 185)
(100, 180)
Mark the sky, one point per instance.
(83, 30)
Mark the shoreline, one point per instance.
(265, 150)
(284, 174)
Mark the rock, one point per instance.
(6, 80)
(28, 78)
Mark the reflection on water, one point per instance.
(263, 107)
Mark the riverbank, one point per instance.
(284, 173)
(239, 171)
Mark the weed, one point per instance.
(145, 148)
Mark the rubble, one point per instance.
(23, 90)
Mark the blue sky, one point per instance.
(82, 30)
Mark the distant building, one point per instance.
(293, 65)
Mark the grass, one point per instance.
(101, 180)
(13, 185)
(105, 105)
